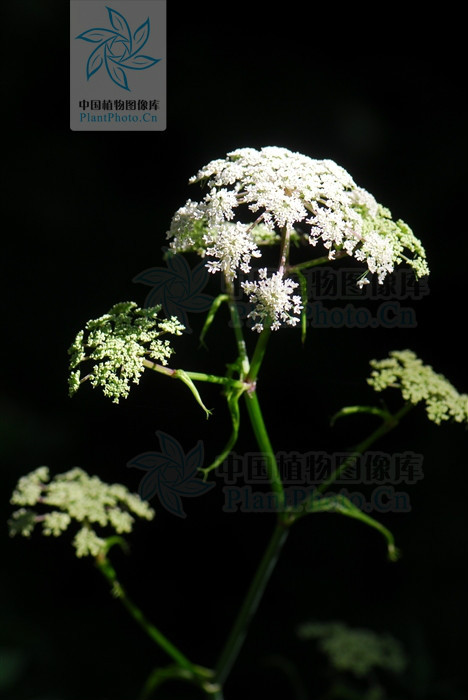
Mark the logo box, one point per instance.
(118, 65)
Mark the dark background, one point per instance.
(85, 213)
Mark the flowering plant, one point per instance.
(254, 201)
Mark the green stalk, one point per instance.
(239, 630)
(237, 326)
(263, 441)
(233, 405)
(309, 263)
(108, 571)
(316, 261)
(195, 376)
(249, 372)
(389, 423)
(259, 353)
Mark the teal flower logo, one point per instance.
(177, 288)
(118, 49)
(171, 474)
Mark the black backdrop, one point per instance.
(85, 213)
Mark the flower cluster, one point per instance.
(255, 196)
(118, 343)
(75, 496)
(357, 650)
(283, 189)
(418, 382)
(272, 301)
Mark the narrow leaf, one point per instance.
(194, 458)
(233, 405)
(197, 302)
(160, 676)
(116, 74)
(171, 501)
(211, 314)
(95, 61)
(139, 62)
(97, 35)
(149, 486)
(342, 505)
(351, 410)
(154, 276)
(193, 487)
(171, 448)
(178, 265)
(140, 36)
(183, 376)
(119, 23)
(147, 461)
(200, 276)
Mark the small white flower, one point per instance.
(232, 247)
(273, 299)
(220, 205)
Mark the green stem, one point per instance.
(239, 630)
(211, 314)
(233, 405)
(249, 372)
(284, 249)
(195, 376)
(237, 326)
(310, 263)
(373, 410)
(108, 571)
(389, 423)
(263, 441)
(303, 290)
(258, 355)
(162, 675)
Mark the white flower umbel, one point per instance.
(75, 497)
(284, 190)
(418, 382)
(355, 650)
(117, 345)
(274, 301)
